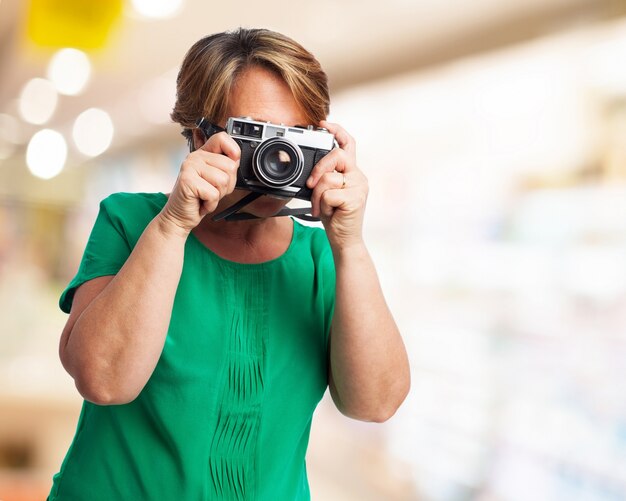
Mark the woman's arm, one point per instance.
(117, 326)
(369, 374)
(369, 370)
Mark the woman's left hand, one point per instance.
(339, 191)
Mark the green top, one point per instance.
(227, 412)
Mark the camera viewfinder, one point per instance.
(252, 130)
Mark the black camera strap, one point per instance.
(232, 210)
(232, 213)
(207, 129)
(300, 213)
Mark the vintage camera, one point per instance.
(276, 159)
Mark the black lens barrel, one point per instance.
(277, 162)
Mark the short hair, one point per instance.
(212, 65)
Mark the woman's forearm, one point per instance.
(369, 370)
(114, 345)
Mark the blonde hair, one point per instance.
(212, 65)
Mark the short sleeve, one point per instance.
(329, 284)
(325, 276)
(106, 252)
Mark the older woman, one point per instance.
(202, 346)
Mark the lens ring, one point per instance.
(265, 167)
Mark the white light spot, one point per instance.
(93, 132)
(157, 9)
(46, 154)
(38, 101)
(69, 70)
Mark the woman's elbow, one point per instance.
(382, 416)
(388, 409)
(381, 409)
(379, 414)
(103, 394)
(94, 382)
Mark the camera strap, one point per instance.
(232, 210)
(232, 213)
(207, 128)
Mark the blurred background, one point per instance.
(494, 137)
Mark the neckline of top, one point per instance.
(237, 264)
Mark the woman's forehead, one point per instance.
(264, 96)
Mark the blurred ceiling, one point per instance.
(356, 41)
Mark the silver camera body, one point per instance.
(277, 159)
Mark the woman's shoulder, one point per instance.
(312, 236)
(127, 201)
(131, 212)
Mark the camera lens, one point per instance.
(277, 162)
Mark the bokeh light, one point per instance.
(46, 154)
(69, 70)
(38, 101)
(93, 132)
(157, 9)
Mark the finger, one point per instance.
(206, 161)
(220, 179)
(223, 144)
(218, 170)
(209, 197)
(332, 200)
(336, 160)
(328, 181)
(344, 140)
(192, 187)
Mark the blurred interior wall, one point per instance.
(496, 218)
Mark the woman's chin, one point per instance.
(265, 206)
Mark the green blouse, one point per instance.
(227, 412)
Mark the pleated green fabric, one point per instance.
(227, 412)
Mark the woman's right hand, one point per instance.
(206, 176)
